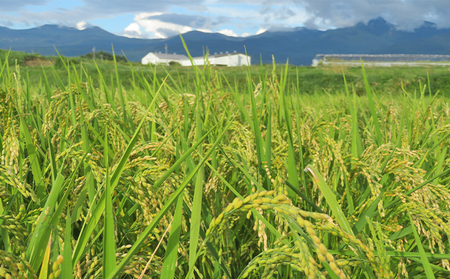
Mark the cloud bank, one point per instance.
(162, 19)
(405, 14)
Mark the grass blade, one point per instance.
(196, 214)
(170, 258)
(66, 268)
(34, 160)
(423, 256)
(44, 267)
(330, 197)
(42, 232)
(109, 243)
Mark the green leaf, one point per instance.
(196, 214)
(66, 267)
(109, 243)
(170, 257)
(41, 234)
(45, 261)
(423, 256)
(34, 160)
(330, 197)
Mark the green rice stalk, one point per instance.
(378, 135)
(109, 243)
(66, 268)
(45, 261)
(423, 256)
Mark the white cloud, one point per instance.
(246, 34)
(260, 31)
(204, 30)
(82, 25)
(158, 28)
(133, 27)
(406, 15)
(231, 17)
(227, 32)
(167, 18)
(134, 31)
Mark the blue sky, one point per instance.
(165, 18)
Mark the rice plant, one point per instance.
(203, 177)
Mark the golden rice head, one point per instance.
(15, 267)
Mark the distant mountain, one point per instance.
(299, 45)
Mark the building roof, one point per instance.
(384, 57)
(174, 56)
(226, 54)
(170, 56)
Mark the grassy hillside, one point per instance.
(137, 172)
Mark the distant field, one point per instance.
(117, 170)
(300, 79)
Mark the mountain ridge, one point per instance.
(299, 45)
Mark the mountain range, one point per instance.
(299, 45)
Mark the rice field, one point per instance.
(204, 177)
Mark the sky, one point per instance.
(240, 18)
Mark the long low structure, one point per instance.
(162, 58)
(223, 59)
(381, 59)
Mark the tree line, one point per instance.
(104, 56)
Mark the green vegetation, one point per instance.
(311, 80)
(173, 63)
(115, 170)
(101, 55)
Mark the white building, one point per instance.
(381, 60)
(162, 58)
(223, 59)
